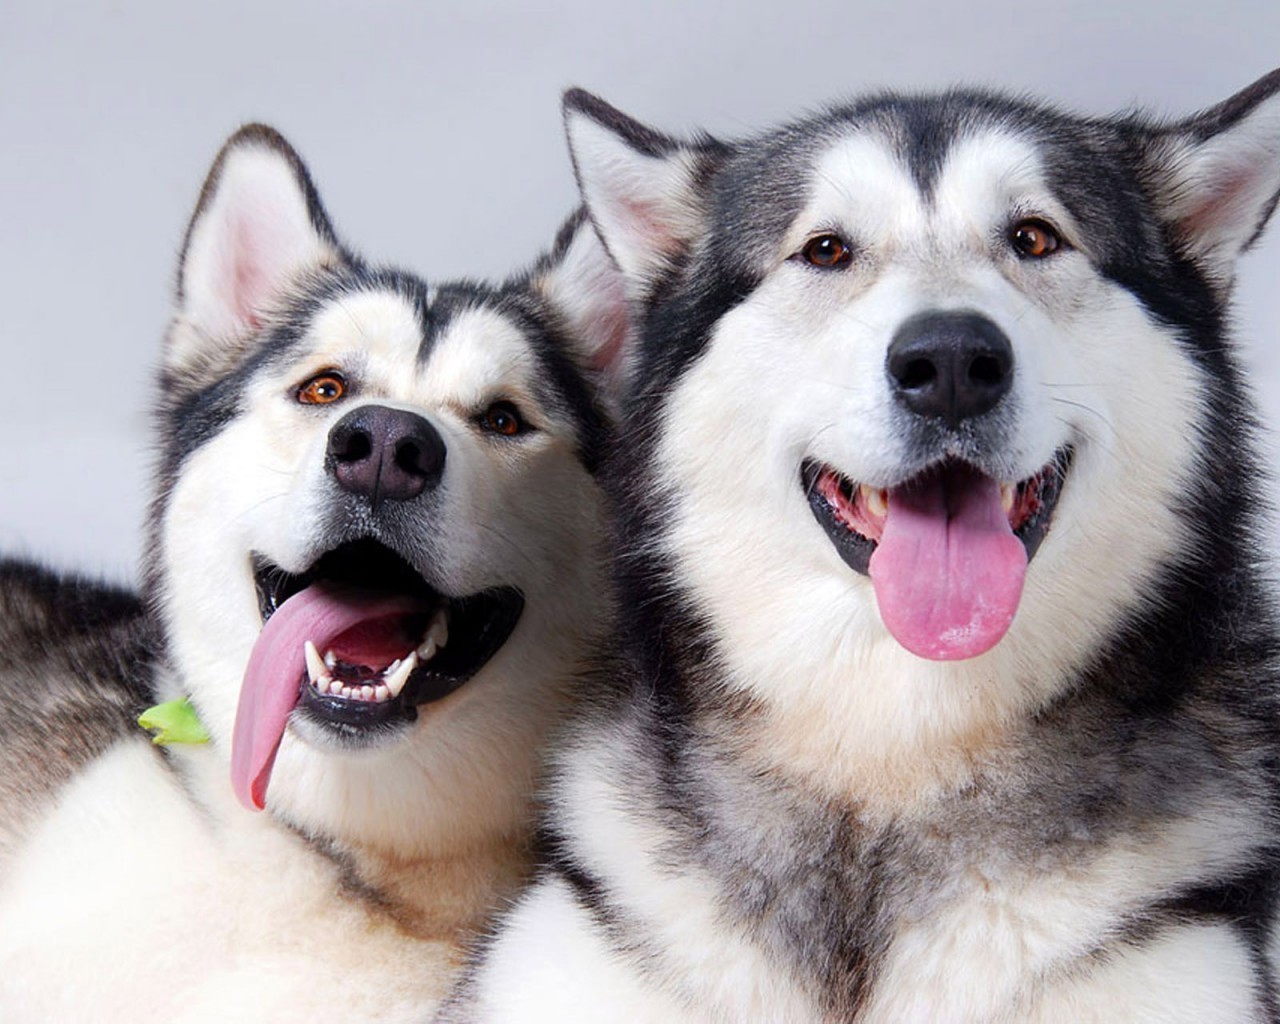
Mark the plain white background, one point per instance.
(433, 133)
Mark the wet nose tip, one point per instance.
(385, 454)
(951, 366)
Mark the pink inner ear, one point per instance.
(248, 241)
(608, 322)
(1220, 205)
(247, 278)
(263, 254)
(612, 326)
(646, 222)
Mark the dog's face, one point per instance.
(933, 377)
(379, 529)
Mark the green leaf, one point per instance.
(174, 721)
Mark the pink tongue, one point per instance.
(277, 667)
(948, 570)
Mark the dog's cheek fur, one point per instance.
(235, 496)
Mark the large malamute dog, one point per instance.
(952, 681)
(374, 565)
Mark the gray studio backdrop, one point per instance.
(433, 134)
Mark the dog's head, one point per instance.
(377, 544)
(927, 374)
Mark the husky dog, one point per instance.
(374, 565)
(951, 679)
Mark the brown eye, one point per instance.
(322, 389)
(502, 418)
(826, 251)
(1035, 238)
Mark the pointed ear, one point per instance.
(641, 188)
(257, 226)
(1217, 175)
(584, 287)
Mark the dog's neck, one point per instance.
(445, 898)
(441, 894)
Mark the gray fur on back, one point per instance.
(74, 679)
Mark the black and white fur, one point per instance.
(133, 886)
(786, 816)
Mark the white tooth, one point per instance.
(315, 667)
(427, 649)
(1007, 494)
(366, 693)
(876, 501)
(439, 628)
(335, 688)
(381, 693)
(346, 692)
(322, 684)
(395, 682)
(331, 659)
(390, 669)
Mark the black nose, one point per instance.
(950, 366)
(385, 454)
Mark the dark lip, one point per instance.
(853, 547)
(479, 625)
(856, 550)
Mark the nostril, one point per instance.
(354, 447)
(409, 457)
(987, 370)
(918, 373)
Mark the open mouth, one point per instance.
(946, 550)
(356, 644)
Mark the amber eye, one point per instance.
(502, 418)
(322, 389)
(1035, 238)
(826, 251)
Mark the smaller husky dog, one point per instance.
(375, 564)
(952, 675)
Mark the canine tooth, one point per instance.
(381, 693)
(1007, 494)
(439, 628)
(315, 666)
(331, 659)
(426, 650)
(395, 681)
(876, 501)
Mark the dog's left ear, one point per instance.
(1217, 175)
(587, 294)
(258, 225)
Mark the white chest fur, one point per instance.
(131, 904)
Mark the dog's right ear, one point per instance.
(640, 187)
(1217, 175)
(257, 226)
